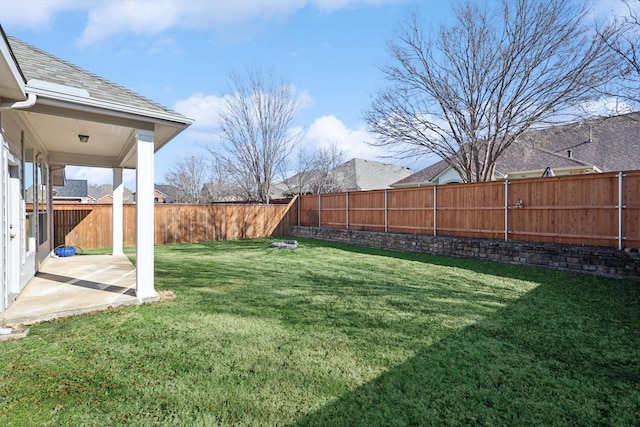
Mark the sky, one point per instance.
(180, 53)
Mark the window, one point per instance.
(41, 201)
(29, 196)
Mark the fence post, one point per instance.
(319, 211)
(435, 215)
(386, 212)
(506, 209)
(620, 206)
(299, 203)
(347, 208)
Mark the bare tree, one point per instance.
(468, 91)
(256, 130)
(303, 174)
(622, 36)
(220, 188)
(314, 171)
(326, 160)
(188, 175)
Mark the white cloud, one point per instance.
(332, 5)
(108, 18)
(606, 107)
(328, 130)
(40, 14)
(204, 110)
(611, 9)
(323, 132)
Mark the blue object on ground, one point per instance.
(64, 251)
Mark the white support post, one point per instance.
(117, 221)
(145, 290)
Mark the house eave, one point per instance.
(413, 184)
(536, 173)
(12, 81)
(80, 100)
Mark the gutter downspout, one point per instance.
(29, 102)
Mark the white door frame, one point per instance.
(15, 231)
(4, 243)
(11, 212)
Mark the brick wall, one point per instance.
(601, 261)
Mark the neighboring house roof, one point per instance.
(171, 193)
(425, 176)
(605, 144)
(106, 190)
(73, 189)
(302, 183)
(223, 192)
(37, 64)
(353, 175)
(609, 144)
(29, 195)
(360, 174)
(166, 189)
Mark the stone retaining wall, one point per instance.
(600, 261)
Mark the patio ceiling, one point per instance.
(111, 140)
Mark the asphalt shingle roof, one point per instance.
(609, 143)
(72, 188)
(107, 190)
(360, 174)
(425, 175)
(40, 65)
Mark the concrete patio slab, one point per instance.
(15, 334)
(74, 285)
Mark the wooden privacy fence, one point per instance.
(596, 209)
(90, 226)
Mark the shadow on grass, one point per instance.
(551, 358)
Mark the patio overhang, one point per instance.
(61, 114)
(69, 116)
(70, 128)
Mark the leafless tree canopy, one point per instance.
(467, 91)
(313, 171)
(256, 123)
(622, 36)
(327, 159)
(188, 176)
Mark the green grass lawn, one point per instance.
(336, 335)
